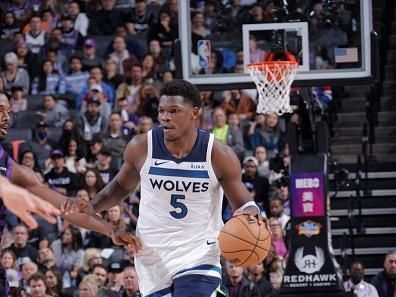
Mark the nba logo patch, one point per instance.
(204, 48)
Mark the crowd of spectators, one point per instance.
(97, 68)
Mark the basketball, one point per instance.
(244, 242)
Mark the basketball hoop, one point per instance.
(273, 80)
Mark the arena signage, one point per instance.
(311, 269)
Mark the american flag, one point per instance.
(346, 55)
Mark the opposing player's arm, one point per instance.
(127, 178)
(228, 171)
(26, 178)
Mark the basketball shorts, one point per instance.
(192, 285)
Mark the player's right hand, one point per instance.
(77, 205)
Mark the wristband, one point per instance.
(246, 205)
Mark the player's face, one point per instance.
(176, 116)
(4, 116)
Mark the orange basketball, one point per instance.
(244, 242)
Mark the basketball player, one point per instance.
(27, 179)
(183, 172)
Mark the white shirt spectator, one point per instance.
(362, 289)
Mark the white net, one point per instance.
(273, 81)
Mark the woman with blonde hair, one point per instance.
(88, 287)
(91, 257)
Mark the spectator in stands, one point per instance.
(226, 133)
(35, 38)
(74, 159)
(26, 59)
(356, 282)
(104, 166)
(46, 259)
(53, 279)
(49, 81)
(69, 254)
(29, 159)
(80, 19)
(91, 122)
(268, 135)
(164, 31)
(111, 76)
(92, 182)
(76, 79)
(9, 26)
(130, 88)
(276, 210)
(144, 125)
(239, 102)
(70, 35)
(88, 56)
(282, 192)
(28, 269)
(49, 19)
(41, 144)
(88, 289)
(237, 284)
(54, 113)
(114, 140)
(100, 273)
(114, 278)
(70, 130)
(21, 248)
(161, 59)
(385, 281)
(59, 177)
(37, 285)
(140, 19)
(255, 274)
(130, 283)
(260, 184)
(261, 155)
(148, 69)
(94, 147)
(8, 259)
(148, 99)
(120, 53)
(277, 237)
(198, 30)
(22, 9)
(17, 101)
(14, 76)
(106, 20)
(108, 92)
(91, 257)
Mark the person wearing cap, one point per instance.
(96, 73)
(14, 76)
(104, 165)
(88, 55)
(59, 178)
(281, 191)
(70, 35)
(92, 122)
(79, 18)
(41, 144)
(17, 100)
(54, 113)
(114, 276)
(260, 184)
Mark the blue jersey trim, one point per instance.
(160, 293)
(178, 172)
(201, 267)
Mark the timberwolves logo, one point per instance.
(309, 263)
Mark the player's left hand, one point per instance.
(252, 211)
(131, 242)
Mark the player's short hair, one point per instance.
(180, 87)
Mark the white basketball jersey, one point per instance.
(180, 214)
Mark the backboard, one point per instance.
(330, 38)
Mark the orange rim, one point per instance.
(272, 63)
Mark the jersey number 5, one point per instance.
(180, 208)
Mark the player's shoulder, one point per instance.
(224, 160)
(137, 147)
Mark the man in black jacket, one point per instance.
(237, 285)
